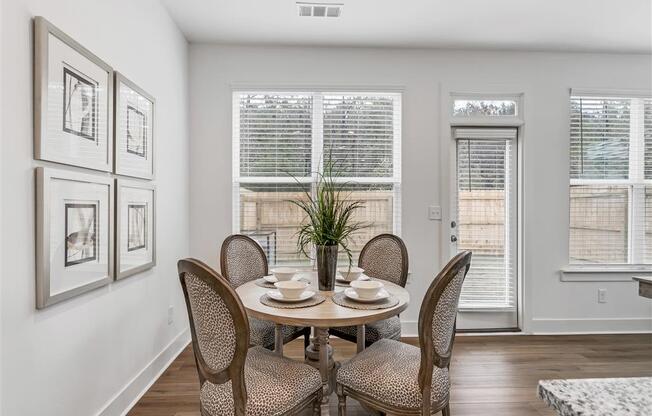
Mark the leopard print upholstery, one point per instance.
(274, 386)
(214, 327)
(243, 261)
(443, 320)
(262, 333)
(388, 371)
(382, 258)
(387, 328)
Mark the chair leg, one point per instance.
(316, 406)
(341, 401)
(446, 411)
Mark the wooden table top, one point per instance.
(325, 315)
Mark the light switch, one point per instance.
(434, 212)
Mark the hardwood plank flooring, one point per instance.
(490, 375)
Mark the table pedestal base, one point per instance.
(319, 354)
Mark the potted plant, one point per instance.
(329, 224)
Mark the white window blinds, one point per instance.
(610, 171)
(486, 215)
(280, 141)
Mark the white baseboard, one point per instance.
(126, 398)
(547, 326)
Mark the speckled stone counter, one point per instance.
(599, 396)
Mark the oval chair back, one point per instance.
(219, 328)
(242, 260)
(385, 257)
(437, 319)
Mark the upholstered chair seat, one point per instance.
(386, 329)
(400, 379)
(388, 371)
(243, 260)
(384, 257)
(274, 386)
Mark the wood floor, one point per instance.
(491, 375)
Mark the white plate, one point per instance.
(351, 294)
(340, 278)
(276, 295)
(272, 279)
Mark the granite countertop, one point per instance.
(599, 396)
(646, 279)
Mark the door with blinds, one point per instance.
(485, 208)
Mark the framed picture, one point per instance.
(135, 227)
(74, 230)
(73, 101)
(134, 130)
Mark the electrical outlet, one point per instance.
(170, 314)
(602, 295)
(434, 212)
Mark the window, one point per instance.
(486, 215)
(279, 144)
(479, 107)
(610, 180)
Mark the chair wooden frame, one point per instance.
(305, 332)
(402, 280)
(235, 370)
(429, 357)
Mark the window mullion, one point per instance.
(317, 134)
(637, 175)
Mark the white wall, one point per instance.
(545, 78)
(76, 357)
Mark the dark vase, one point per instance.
(326, 267)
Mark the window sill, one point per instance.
(574, 273)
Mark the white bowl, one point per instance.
(366, 289)
(350, 274)
(291, 289)
(284, 273)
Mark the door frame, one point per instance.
(448, 177)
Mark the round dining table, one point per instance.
(320, 317)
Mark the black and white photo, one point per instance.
(81, 233)
(136, 227)
(79, 105)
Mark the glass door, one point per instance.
(486, 224)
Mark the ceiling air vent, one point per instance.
(320, 9)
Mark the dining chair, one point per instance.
(393, 377)
(235, 379)
(384, 257)
(242, 260)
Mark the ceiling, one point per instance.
(622, 26)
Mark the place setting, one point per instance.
(290, 293)
(346, 275)
(280, 274)
(365, 294)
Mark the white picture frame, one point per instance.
(135, 227)
(73, 101)
(133, 129)
(74, 234)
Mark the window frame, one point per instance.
(317, 145)
(635, 182)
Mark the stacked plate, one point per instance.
(291, 291)
(366, 291)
